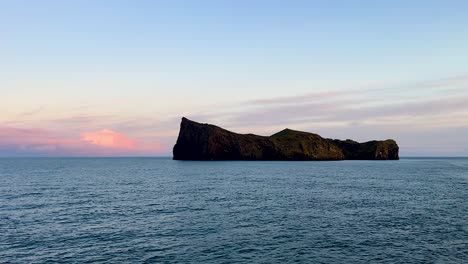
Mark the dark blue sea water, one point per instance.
(149, 210)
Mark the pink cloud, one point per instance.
(105, 142)
(108, 139)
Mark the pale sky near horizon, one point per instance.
(113, 78)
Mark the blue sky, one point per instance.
(131, 69)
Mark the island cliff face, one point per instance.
(208, 142)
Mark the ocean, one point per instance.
(156, 210)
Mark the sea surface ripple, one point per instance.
(156, 210)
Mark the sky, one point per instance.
(114, 78)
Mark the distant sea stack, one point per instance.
(208, 142)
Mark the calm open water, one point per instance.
(150, 210)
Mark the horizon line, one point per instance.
(107, 157)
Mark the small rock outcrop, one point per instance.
(208, 142)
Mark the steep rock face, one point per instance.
(372, 150)
(208, 142)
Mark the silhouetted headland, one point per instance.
(208, 142)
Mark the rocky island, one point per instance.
(208, 142)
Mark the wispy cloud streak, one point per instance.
(400, 111)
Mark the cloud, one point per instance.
(444, 96)
(108, 139)
(33, 112)
(105, 142)
(408, 112)
(304, 98)
(412, 113)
